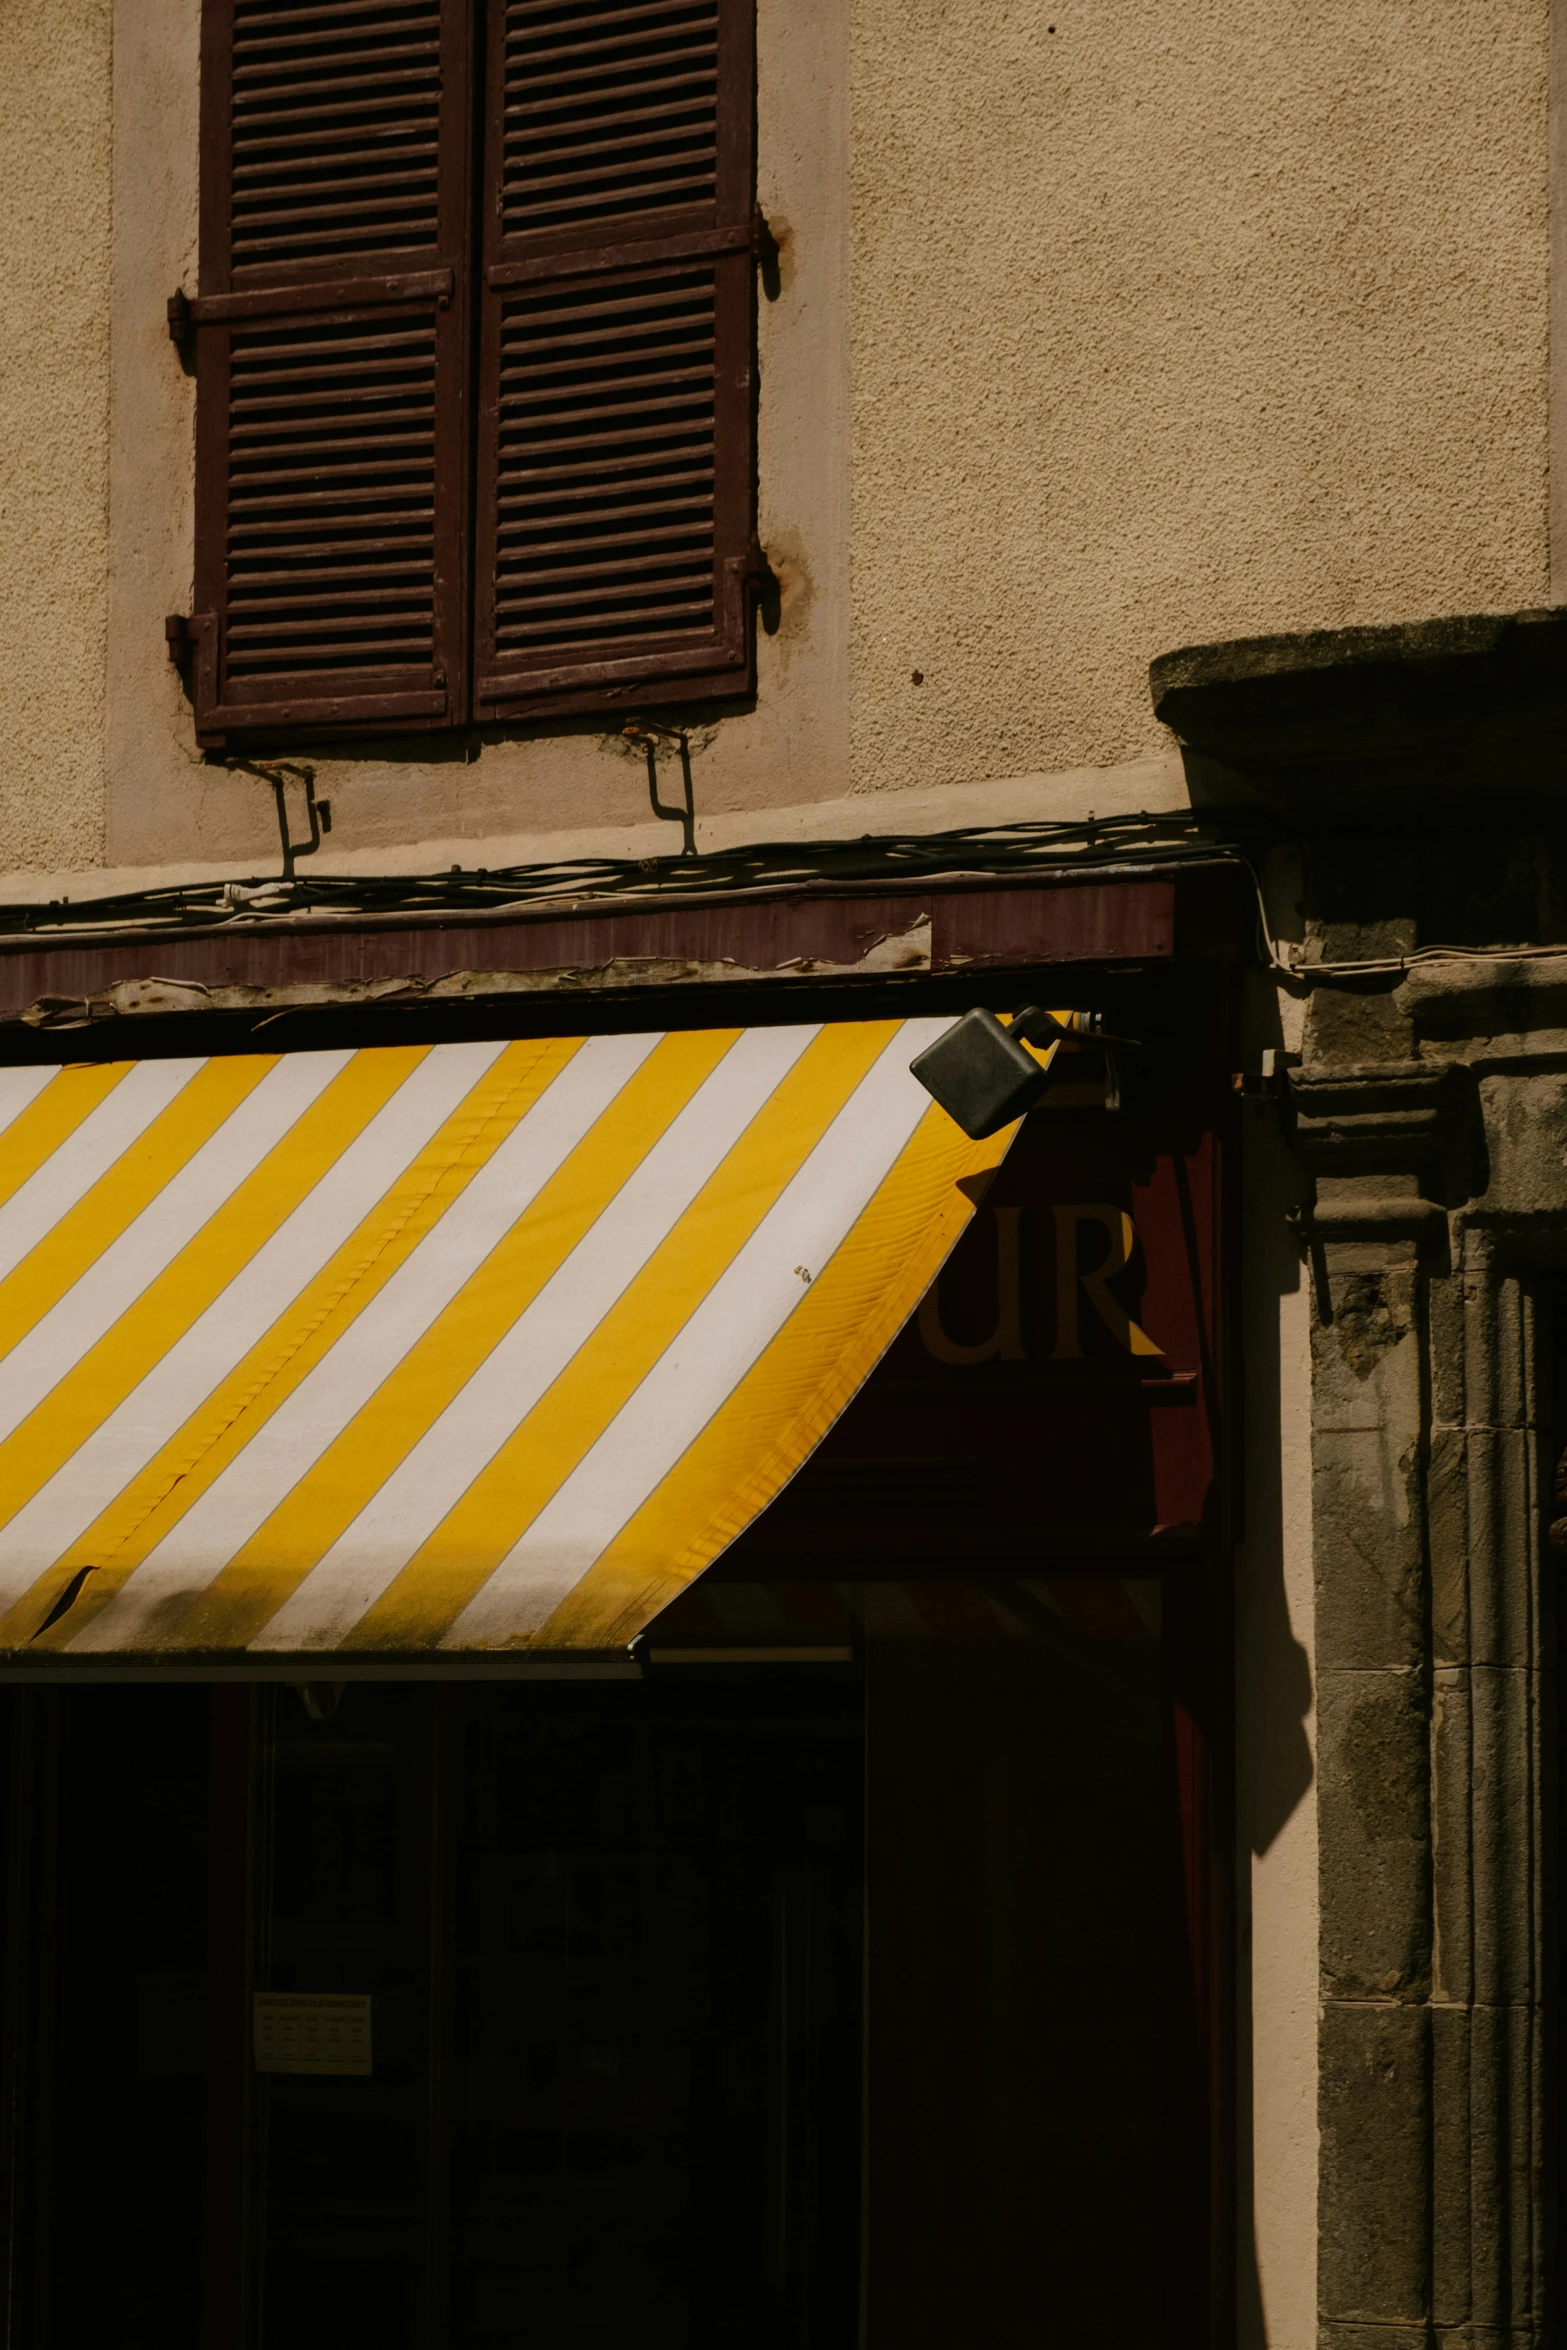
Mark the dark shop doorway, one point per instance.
(799, 2004)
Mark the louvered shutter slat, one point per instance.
(332, 394)
(577, 150)
(615, 445)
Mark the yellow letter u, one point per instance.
(1006, 1340)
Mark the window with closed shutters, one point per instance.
(474, 434)
(332, 364)
(614, 470)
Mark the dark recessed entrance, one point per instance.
(799, 2004)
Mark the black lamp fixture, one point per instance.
(980, 1074)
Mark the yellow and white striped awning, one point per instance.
(432, 1350)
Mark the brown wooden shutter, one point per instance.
(332, 365)
(614, 536)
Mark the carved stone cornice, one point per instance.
(1364, 720)
(1384, 1117)
(1383, 1216)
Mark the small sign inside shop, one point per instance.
(312, 2032)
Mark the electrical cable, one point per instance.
(1300, 975)
(964, 856)
(971, 854)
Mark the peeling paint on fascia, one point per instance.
(908, 951)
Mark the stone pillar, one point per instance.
(1410, 780)
(1428, 1522)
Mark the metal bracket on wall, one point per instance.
(650, 735)
(1270, 1082)
(278, 772)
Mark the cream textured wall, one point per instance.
(1105, 326)
(152, 764)
(1173, 323)
(55, 62)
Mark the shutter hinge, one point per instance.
(181, 644)
(193, 649)
(182, 329)
(649, 735)
(764, 252)
(751, 585)
(763, 586)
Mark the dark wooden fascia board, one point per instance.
(877, 931)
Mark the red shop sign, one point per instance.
(1057, 1400)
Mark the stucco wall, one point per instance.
(54, 286)
(151, 759)
(1174, 324)
(1151, 327)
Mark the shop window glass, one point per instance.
(105, 1988)
(799, 2003)
(655, 2075)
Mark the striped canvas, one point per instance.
(438, 1349)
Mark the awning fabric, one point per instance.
(423, 1350)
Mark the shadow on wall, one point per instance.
(1274, 1759)
(1274, 1690)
